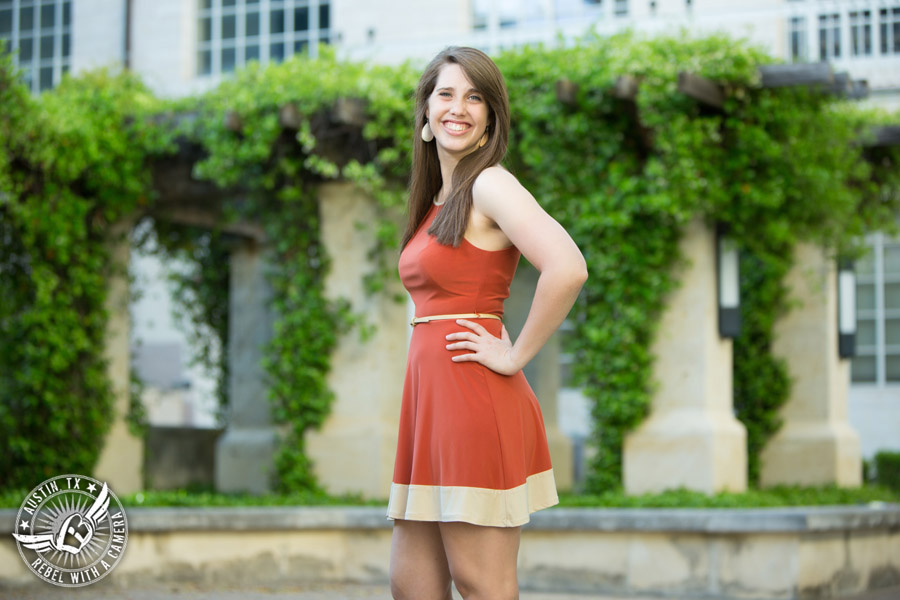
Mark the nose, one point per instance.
(459, 106)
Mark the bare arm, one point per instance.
(499, 198)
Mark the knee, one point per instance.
(407, 588)
(474, 587)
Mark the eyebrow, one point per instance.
(447, 87)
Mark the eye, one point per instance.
(475, 98)
(444, 94)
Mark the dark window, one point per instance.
(204, 62)
(324, 17)
(251, 53)
(252, 25)
(276, 21)
(229, 23)
(48, 15)
(301, 18)
(228, 58)
(47, 46)
(5, 21)
(26, 18)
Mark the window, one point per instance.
(860, 32)
(829, 36)
(232, 33)
(798, 42)
(877, 357)
(889, 25)
(621, 8)
(39, 33)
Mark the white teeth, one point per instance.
(456, 126)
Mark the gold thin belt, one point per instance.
(419, 320)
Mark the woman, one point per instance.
(472, 459)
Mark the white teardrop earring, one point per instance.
(483, 140)
(427, 134)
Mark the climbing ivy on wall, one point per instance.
(776, 166)
(72, 164)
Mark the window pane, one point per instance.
(301, 18)
(865, 296)
(229, 23)
(26, 52)
(65, 45)
(276, 21)
(276, 52)
(227, 2)
(26, 18)
(228, 58)
(204, 62)
(892, 368)
(892, 332)
(862, 369)
(205, 4)
(48, 15)
(67, 13)
(205, 33)
(892, 259)
(252, 24)
(300, 46)
(251, 53)
(896, 36)
(46, 78)
(5, 22)
(891, 295)
(324, 17)
(865, 332)
(47, 46)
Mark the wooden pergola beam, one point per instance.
(884, 136)
(567, 91)
(211, 219)
(626, 87)
(792, 75)
(701, 89)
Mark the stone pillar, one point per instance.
(542, 373)
(815, 445)
(355, 448)
(245, 452)
(691, 438)
(122, 458)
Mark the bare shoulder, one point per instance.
(495, 188)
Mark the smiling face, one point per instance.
(457, 113)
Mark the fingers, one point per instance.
(462, 335)
(476, 327)
(463, 346)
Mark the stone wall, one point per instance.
(782, 553)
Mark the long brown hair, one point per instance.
(425, 182)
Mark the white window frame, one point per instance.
(798, 31)
(879, 280)
(830, 23)
(888, 44)
(59, 63)
(861, 31)
(290, 37)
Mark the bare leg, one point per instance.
(482, 560)
(418, 564)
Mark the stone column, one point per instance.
(542, 373)
(245, 452)
(121, 460)
(815, 445)
(691, 438)
(355, 448)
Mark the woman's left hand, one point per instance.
(492, 352)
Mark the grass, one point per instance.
(778, 496)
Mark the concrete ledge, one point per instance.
(282, 518)
(784, 553)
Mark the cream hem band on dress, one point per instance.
(480, 506)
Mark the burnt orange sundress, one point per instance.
(472, 445)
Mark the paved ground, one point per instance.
(318, 592)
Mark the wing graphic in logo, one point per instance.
(76, 531)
